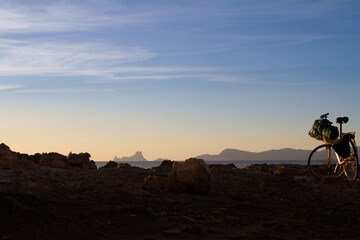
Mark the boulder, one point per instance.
(92, 165)
(164, 169)
(110, 164)
(33, 158)
(80, 161)
(192, 176)
(123, 166)
(155, 184)
(10, 159)
(54, 160)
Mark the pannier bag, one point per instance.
(323, 130)
(342, 147)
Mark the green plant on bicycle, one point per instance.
(338, 155)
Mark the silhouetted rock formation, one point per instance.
(80, 161)
(164, 168)
(73, 161)
(280, 201)
(54, 160)
(12, 159)
(192, 176)
(123, 166)
(156, 184)
(33, 158)
(110, 164)
(158, 180)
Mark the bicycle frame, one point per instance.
(328, 157)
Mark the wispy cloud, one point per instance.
(138, 72)
(188, 74)
(62, 90)
(282, 39)
(30, 58)
(63, 17)
(29, 47)
(8, 87)
(33, 54)
(276, 11)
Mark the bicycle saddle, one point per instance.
(342, 120)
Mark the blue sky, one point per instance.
(174, 79)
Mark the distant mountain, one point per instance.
(281, 154)
(234, 154)
(137, 157)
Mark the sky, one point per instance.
(175, 79)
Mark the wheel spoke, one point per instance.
(321, 162)
(350, 167)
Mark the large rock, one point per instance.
(164, 169)
(123, 166)
(54, 160)
(32, 158)
(80, 161)
(192, 176)
(110, 164)
(155, 184)
(10, 159)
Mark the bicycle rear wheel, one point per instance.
(321, 162)
(350, 164)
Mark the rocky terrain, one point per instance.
(57, 197)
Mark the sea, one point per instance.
(237, 163)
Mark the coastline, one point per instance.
(237, 163)
(260, 201)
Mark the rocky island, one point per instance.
(137, 157)
(51, 196)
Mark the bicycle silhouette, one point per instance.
(321, 161)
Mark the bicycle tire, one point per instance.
(351, 163)
(320, 164)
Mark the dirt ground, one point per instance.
(261, 202)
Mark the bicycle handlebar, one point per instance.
(324, 116)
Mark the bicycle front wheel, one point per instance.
(321, 162)
(350, 164)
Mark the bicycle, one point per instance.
(321, 162)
